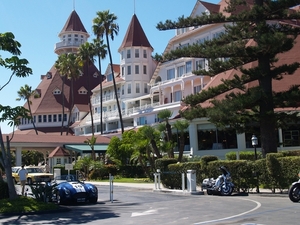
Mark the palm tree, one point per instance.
(101, 51)
(69, 65)
(165, 116)
(152, 136)
(26, 93)
(86, 54)
(61, 66)
(104, 24)
(91, 142)
(181, 126)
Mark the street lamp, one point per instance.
(254, 144)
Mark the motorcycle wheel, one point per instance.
(209, 192)
(226, 190)
(294, 192)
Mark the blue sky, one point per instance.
(36, 25)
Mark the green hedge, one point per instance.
(276, 171)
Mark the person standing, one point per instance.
(23, 176)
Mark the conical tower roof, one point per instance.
(135, 35)
(73, 23)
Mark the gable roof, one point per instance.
(50, 103)
(58, 151)
(135, 35)
(73, 23)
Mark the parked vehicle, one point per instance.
(67, 189)
(294, 191)
(220, 186)
(35, 174)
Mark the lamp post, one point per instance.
(254, 144)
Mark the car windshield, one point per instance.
(15, 169)
(66, 178)
(34, 170)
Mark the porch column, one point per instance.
(19, 156)
(280, 138)
(193, 137)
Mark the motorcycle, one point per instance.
(220, 186)
(294, 191)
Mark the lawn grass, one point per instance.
(24, 204)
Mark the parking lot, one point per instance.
(132, 205)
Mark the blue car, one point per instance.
(67, 189)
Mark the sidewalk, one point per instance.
(151, 186)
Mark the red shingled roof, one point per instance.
(73, 23)
(135, 35)
(58, 151)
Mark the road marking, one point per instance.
(145, 213)
(258, 205)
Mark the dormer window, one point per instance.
(56, 92)
(49, 75)
(82, 91)
(95, 75)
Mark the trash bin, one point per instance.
(191, 180)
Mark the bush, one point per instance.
(244, 155)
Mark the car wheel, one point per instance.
(93, 200)
(29, 181)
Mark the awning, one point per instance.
(84, 148)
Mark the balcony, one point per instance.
(65, 44)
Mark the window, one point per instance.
(137, 88)
(122, 55)
(34, 118)
(45, 118)
(39, 118)
(129, 89)
(59, 117)
(128, 54)
(142, 121)
(109, 77)
(180, 71)
(58, 161)
(137, 69)
(145, 88)
(65, 117)
(54, 118)
(137, 53)
(170, 74)
(145, 69)
(122, 71)
(122, 89)
(49, 118)
(177, 96)
(145, 54)
(128, 70)
(188, 67)
(197, 89)
(202, 40)
(200, 64)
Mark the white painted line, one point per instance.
(145, 213)
(258, 205)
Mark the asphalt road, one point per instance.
(143, 206)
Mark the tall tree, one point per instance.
(101, 51)
(61, 66)
(86, 54)
(253, 34)
(91, 142)
(26, 93)
(104, 24)
(165, 115)
(181, 126)
(19, 68)
(69, 65)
